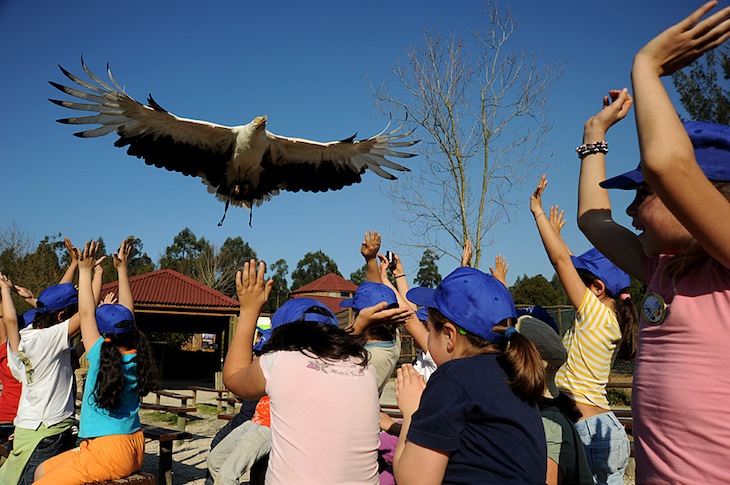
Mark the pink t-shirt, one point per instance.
(324, 420)
(10, 394)
(681, 387)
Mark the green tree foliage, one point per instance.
(217, 268)
(182, 253)
(555, 282)
(703, 88)
(360, 275)
(428, 272)
(280, 291)
(312, 267)
(535, 290)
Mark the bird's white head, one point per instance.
(260, 121)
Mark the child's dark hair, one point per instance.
(323, 340)
(50, 318)
(565, 404)
(110, 381)
(518, 357)
(626, 314)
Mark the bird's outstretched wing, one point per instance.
(294, 164)
(191, 147)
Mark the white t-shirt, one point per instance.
(324, 420)
(424, 364)
(43, 367)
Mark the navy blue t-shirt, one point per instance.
(468, 410)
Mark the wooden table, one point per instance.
(166, 437)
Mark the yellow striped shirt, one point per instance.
(591, 343)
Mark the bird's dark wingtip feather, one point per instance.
(56, 101)
(65, 121)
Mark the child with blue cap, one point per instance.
(476, 420)
(324, 397)
(377, 315)
(39, 358)
(121, 370)
(682, 253)
(605, 326)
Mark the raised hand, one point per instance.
(109, 299)
(615, 108)
(252, 289)
(5, 282)
(681, 44)
(536, 198)
(121, 257)
(24, 293)
(499, 271)
(557, 218)
(87, 257)
(371, 245)
(72, 253)
(467, 253)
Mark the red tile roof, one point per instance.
(166, 287)
(329, 282)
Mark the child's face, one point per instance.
(661, 232)
(437, 344)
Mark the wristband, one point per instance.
(591, 148)
(399, 276)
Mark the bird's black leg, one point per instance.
(250, 217)
(224, 214)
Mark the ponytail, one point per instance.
(628, 321)
(521, 361)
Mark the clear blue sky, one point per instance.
(307, 65)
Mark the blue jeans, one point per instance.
(47, 448)
(607, 447)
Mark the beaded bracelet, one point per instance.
(591, 148)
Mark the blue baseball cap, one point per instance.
(302, 310)
(711, 142)
(541, 314)
(422, 314)
(114, 319)
(370, 294)
(57, 297)
(603, 269)
(473, 300)
(26, 318)
(264, 336)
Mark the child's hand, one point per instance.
(87, 257)
(679, 45)
(5, 282)
(24, 293)
(385, 421)
(409, 386)
(121, 257)
(371, 245)
(252, 289)
(379, 315)
(109, 299)
(615, 108)
(536, 197)
(72, 253)
(383, 267)
(398, 266)
(557, 219)
(500, 269)
(98, 269)
(467, 253)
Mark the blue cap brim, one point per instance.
(422, 296)
(348, 303)
(625, 181)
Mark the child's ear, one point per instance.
(61, 316)
(598, 288)
(450, 331)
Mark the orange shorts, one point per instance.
(96, 460)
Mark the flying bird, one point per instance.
(242, 165)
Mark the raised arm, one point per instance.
(87, 301)
(9, 316)
(467, 253)
(68, 276)
(595, 220)
(369, 250)
(241, 374)
(27, 295)
(667, 156)
(121, 263)
(410, 320)
(499, 271)
(556, 250)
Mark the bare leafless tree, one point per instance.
(481, 109)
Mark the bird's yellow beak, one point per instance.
(260, 121)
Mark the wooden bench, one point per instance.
(166, 437)
(222, 393)
(182, 412)
(139, 478)
(230, 401)
(227, 417)
(183, 398)
(391, 410)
